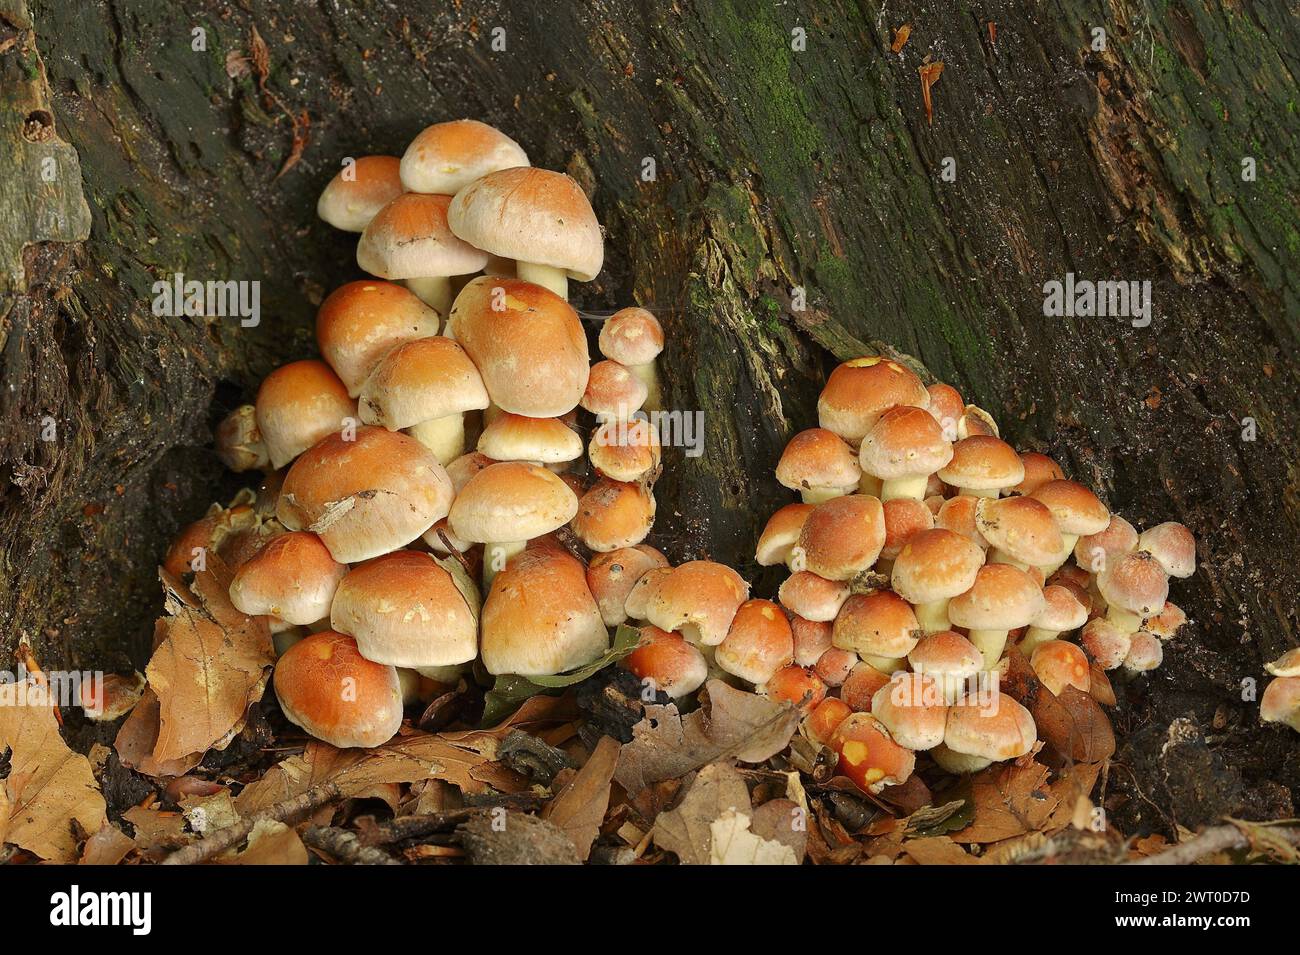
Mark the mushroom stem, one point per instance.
(815, 495)
(495, 556)
(1125, 620)
(1067, 548)
(869, 484)
(933, 616)
(445, 437)
(1002, 557)
(978, 492)
(911, 487)
(547, 276)
(990, 643)
(1035, 636)
(650, 378)
(955, 762)
(884, 664)
(434, 291)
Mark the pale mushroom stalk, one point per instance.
(816, 495)
(959, 763)
(990, 643)
(1125, 620)
(978, 491)
(912, 486)
(932, 616)
(547, 276)
(1067, 548)
(433, 290)
(884, 664)
(496, 555)
(997, 556)
(649, 377)
(870, 484)
(445, 436)
(1035, 637)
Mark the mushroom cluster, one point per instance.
(440, 427)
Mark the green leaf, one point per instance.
(510, 690)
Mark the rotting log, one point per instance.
(775, 169)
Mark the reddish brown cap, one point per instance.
(361, 321)
(812, 638)
(1002, 598)
(904, 519)
(859, 391)
(957, 514)
(948, 657)
(1059, 664)
(638, 600)
(1062, 610)
(540, 619)
(861, 685)
(1169, 621)
(812, 597)
(1094, 551)
(667, 662)
(913, 708)
(1000, 731)
(758, 643)
(946, 407)
(1039, 469)
(530, 215)
(527, 342)
(868, 755)
(422, 380)
(983, 463)
(612, 575)
(614, 514)
(292, 578)
(366, 496)
(817, 460)
(825, 718)
(514, 437)
(409, 239)
(842, 537)
(625, 450)
(613, 391)
(631, 336)
(446, 157)
(1281, 702)
(1173, 546)
(405, 610)
(1022, 528)
(699, 599)
(359, 190)
(797, 685)
(781, 533)
(1106, 643)
(1135, 583)
(935, 565)
(905, 442)
(465, 467)
(511, 501)
(878, 624)
(334, 693)
(834, 666)
(1075, 508)
(1144, 652)
(297, 405)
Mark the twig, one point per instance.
(1212, 840)
(223, 839)
(345, 846)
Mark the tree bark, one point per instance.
(780, 174)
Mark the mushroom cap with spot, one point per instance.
(868, 754)
(1000, 731)
(612, 575)
(816, 458)
(669, 662)
(1075, 508)
(946, 407)
(1062, 610)
(935, 565)
(540, 619)
(446, 157)
(625, 450)
(637, 604)
(904, 519)
(360, 322)
(796, 685)
(1021, 527)
(421, 380)
(527, 342)
(948, 657)
(328, 688)
(1002, 598)
(699, 599)
(825, 718)
(835, 665)
(1059, 664)
(292, 578)
(812, 597)
(1093, 551)
(512, 437)
(780, 534)
(356, 193)
(957, 514)
(1136, 583)
(298, 404)
(531, 215)
(614, 514)
(983, 463)
(861, 685)
(366, 496)
(405, 610)
(409, 239)
(879, 624)
(511, 501)
(1173, 546)
(1281, 702)
(1039, 470)
(631, 336)
(904, 442)
(914, 710)
(842, 537)
(1144, 652)
(812, 638)
(613, 391)
(1105, 643)
(860, 390)
(758, 643)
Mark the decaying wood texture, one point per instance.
(775, 169)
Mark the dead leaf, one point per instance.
(1010, 800)
(1074, 783)
(930, 73)
(49, 787)
(733, 843)
(1074, 724)
(108, 846)
(156, 829)
(212, 664)
(137, 737)
(730, 723)
(270, 843)
(260, 56)
(580, 807)
(687, 830)
(900, 38)
(937, 850)
(301, 136)
(784, 821)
